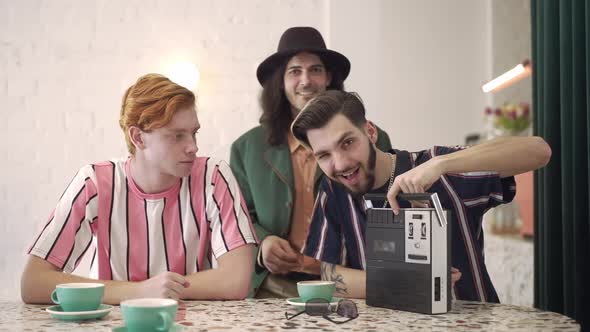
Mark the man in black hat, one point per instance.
(277, 175)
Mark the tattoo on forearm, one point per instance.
(329, 273)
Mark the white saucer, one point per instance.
(296, 301)
(57, 312)
(174, 328)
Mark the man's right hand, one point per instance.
(164, 285)
(278, 256)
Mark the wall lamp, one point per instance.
(515, 74)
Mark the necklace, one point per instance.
(390, 177)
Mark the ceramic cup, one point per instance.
(82, 296)
(149, 314)
(316, 289)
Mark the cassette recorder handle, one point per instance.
(415, 196)
(375, 197)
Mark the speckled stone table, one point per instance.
(269, 315)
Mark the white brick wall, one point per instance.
(64, 66)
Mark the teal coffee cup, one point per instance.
(316, 289)
(149, 314)
(82, 296)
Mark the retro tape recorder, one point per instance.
(409, 256)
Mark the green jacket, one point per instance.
(265, 176)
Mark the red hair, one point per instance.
(150, 103)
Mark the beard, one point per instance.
(371, 161)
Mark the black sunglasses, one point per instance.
(321, 307)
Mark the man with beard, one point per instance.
(468, 181)
(278, 176)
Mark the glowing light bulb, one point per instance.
(185, 74)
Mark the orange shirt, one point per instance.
(304, 168)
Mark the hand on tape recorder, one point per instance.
(416, 180)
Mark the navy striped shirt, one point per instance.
(337, 230)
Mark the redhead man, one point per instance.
(161, 222)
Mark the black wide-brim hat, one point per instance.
(303, 39)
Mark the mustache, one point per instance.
(348, 170)
(307, 90)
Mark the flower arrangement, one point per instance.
(510, 118)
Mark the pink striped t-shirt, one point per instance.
(135, 236)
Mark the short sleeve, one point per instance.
(67, 234)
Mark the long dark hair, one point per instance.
(276, 110)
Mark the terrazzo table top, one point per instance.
(269, 315)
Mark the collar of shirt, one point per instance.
(403, 163)
(294, 144)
